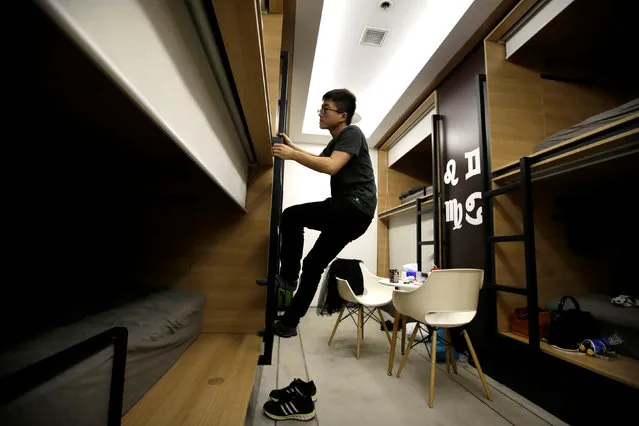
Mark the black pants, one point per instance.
(339, 222)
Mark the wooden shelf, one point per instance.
(211, 383)
(407, 207)
(621, 368)
(589, 148)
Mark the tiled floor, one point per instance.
(359, 392)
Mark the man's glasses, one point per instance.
(323, 110)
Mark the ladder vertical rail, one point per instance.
(277, 197)
(419, 235)
(489, 227)
(437, 237)
(530, 257)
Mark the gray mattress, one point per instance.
(161, 327)
(589, 124)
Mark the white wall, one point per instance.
(303, 185)
(402, 235)
(151, 49)
(409, 140)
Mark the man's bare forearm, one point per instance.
(315, 162)
(298, 149)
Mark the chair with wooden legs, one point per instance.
(447, 299)
(366, 305)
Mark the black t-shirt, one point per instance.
(355, 181)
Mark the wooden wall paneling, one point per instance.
(560, 271)
(523, 109)
(288, 39)
(232, 255)
(272, 24)
(391, 183)
(383, 247)
(566, 104)
(241, 28)
(276, 6)
(398, 182)
(515, 107)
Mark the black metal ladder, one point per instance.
(274, 228)
(524, 185)
(528, 238)
(420, 211)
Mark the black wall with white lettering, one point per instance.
(458, 103)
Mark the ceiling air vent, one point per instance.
(373, 36)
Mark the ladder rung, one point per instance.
(505, 238)
(508, 288)
(426, 243)
(502, 190)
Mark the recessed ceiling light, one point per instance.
(385, 4)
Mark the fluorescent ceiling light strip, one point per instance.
(430, 25)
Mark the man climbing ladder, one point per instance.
(342, 218)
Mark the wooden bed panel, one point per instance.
(211, 383)
(560, 271)
(231, 254)
(398, 182)
(515, 107)
(272, 25)
(523, 109)
(391, 183)
(383, 247)
(127, 206)
(240, 26)
(566, 104)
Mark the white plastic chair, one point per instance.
(375, 295)
(447, 299)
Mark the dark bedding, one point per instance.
(589, 124)
(161, 327)
(610, 319)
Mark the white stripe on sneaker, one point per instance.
(294, 407)
(284, 408)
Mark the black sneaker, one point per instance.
(281, 330)
(297, 408)
(297, 387)
(280, 282)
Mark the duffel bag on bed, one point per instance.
(569, 327)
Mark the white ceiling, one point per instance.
(387, 79)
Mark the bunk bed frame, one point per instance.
(621, 139)
(216, 355)
(615, 140)
(30, 377)
(421, 205)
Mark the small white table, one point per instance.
(399, 285)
